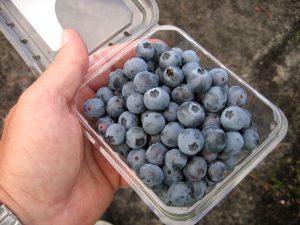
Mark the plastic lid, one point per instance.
(100, 22)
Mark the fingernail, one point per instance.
(65, 38)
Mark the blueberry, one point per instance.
(190, 114)
(190, 141)
(115, 134)
(159, 72)
(159, 49)
(198, 189)
(170, 114)
(102, 124)
(104, 94)
(116, 106)
(219, 76)
(94, 108)
(171, 175)
(156, 99)
(179, 194)
(122, 149)
(216, 171)
(214, 138)
(251, 139)
(128, 89)
(215, 99)
(188, 68)
(179, 51)
(151, 175)
(169, 135)
(209, 156)
(169, 58)
(135, 103)
(156, 154)
(199, 80)
(153, 123)
(136, 159)
(195, 169)
(172, 76)
(234, 143)
(236, 96)
(175, 159)
(117, 79)
(144, 81)
(136, 138)
(153, 139)
(134, 66)
(190, 56)
(151, 66)
(145, 50)
(182, 94)
(167, 89)
(235, 118)
(211, 119)
(231, 162)
(128, 120)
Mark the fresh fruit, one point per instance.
(94, 108)
(190, 141)
(115, 134)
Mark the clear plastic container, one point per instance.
(270, 120)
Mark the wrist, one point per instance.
(18, 210)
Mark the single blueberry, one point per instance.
(172, 76)
(199, 80)
(179, 51)
(117, 79)
(156, 99)
(104, 93)
(235, 118)
(182, 94)
(115, 134)
(145, 50)
(169, 135)
(133, 66)
(103, 123)
(179, 194)
(234, 143)
(190, 56)
(116, 106)
(144, 81)
(136, 138)
(175, 159)
(219, 76)
(151, 175)
(94, 108)
(195, 169)
(216, 171)
(215, 99)
(156, 154)
(190, 141)
(169, 58)
(214, 138)
(251, 139)
(153, 123)
(128, 120)
(190, 114)
(231, 162)
(236, 96)
(135, 103)
(136, 159)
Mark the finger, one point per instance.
(65, 74)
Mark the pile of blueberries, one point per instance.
(179, 126)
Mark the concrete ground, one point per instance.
(260, 41)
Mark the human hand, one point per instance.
(49, 173)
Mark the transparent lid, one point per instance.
(100, 22)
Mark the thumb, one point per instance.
(65, 74)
